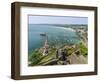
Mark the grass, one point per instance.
(83, 50)
(80, 49)
(37, 58)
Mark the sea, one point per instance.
(56, 36)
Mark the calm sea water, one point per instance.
(57, 36)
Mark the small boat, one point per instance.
(43, 34)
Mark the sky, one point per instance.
(32, 19)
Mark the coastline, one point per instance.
(50, 58)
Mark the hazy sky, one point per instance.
(57, 20)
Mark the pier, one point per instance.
(46, 46)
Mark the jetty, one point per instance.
(46, 46)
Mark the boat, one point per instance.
(42, 34)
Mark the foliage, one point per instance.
(83, 49)
(69, 50)
(37, 58)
